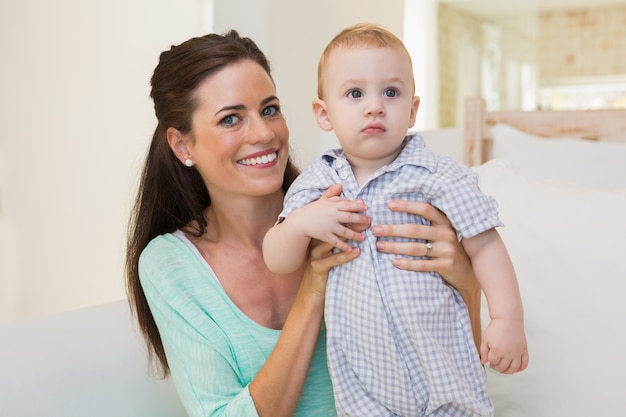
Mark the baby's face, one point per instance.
(368, 92)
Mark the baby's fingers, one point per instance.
(484, 353)
(332, 191)
(498, 363)
(525, 360)
(518, 364)
(495, 360)
(508, 365)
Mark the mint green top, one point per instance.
(213, 349)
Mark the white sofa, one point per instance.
(567, 243)
(86, 362)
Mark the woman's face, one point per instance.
(239, 138)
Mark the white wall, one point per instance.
(75, 121)
(420, 38)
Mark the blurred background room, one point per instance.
(76, 118)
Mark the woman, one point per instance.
(238, 339)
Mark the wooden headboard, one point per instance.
(588, 124)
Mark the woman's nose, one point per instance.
(259, 130)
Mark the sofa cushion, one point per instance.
(85, 362)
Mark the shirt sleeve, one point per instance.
(458, 195)
(306, 188)
(203, 366)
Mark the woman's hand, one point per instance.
(321, 260)
(446, 256)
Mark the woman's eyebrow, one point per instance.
(229, 108)
(270, 98)
(242, 107)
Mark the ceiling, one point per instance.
(498, 8)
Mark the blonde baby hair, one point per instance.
(360, 35)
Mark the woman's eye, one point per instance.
(355, 94)
(391, 92)
(270, 111)
(229, 120)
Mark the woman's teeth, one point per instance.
(259, 159)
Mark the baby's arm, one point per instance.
(504, 342)
(286, 244)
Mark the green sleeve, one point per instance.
(191, 313)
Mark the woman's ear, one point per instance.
(414, 107)
(321, 115)
(178, 144)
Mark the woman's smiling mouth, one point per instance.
(259, 160)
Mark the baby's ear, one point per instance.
(414, 106)
(321, 115)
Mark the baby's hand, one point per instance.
(504, 346)
(332, 220)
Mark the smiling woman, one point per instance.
(219, 124)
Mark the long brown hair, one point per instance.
(170, 196)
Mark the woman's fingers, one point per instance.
(440, 227)
(446, 255)
(417, 249)
(425, 210)
(323, 258)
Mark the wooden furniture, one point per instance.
(587, 124)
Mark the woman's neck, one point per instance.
(242, 221)
(233, 246)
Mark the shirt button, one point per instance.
(338, 163)
(343, 175)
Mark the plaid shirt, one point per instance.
(400, 342)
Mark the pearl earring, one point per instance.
(188, 163)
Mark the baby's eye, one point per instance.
(229, 120)
(355, 94)
(390, 92)
(270, 111)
